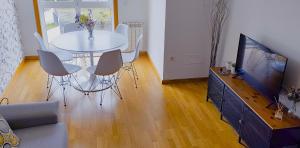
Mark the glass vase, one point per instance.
(91, 35)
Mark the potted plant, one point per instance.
(86, 21)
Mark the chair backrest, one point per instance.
(109, 63)
(51, 63)
(70, 27)
(40, 40)
(123, 29)
(138, 46)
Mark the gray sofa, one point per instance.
(36, 124)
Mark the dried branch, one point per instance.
(219, 15)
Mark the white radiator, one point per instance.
(135, 30)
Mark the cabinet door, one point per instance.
(254, 131)
(232, 108)
(215, 90)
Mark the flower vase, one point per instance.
(91, 35)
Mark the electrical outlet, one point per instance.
(172, 58)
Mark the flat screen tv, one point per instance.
(260, 67)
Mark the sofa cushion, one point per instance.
(47, 136)
(7, 136)
(21, 116)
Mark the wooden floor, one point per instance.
(154, 115)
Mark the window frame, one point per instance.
(40, 5)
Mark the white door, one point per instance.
(55, 14)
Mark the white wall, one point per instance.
(275, 23)
(156, 35)
(10, 43)
(187, 46)
(27, 25)
(179, 40)
(135, 10)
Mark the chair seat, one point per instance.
(125, 48)
(91, 69)
(62, 55)
(128, 50)
(128, 57)
(71, 68)
(47, 136)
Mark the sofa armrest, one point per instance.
(30, 115)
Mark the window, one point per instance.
(55, 14)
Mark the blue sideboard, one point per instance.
(245, 110)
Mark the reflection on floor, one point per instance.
(153, 115)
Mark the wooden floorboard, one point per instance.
(153, 115)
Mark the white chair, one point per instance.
(106, 73)
(62, 55)
(129, 58)
(123, 29)
(55, 68)
(70, 28)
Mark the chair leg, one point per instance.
(118, 92)
(101, 97)
(49, 90)
(133, 73)
(101, 94)
(62, 84)
(90, 89)
(48, 81)
(69, 81)
(118, 75)
(65, 101)
(77, 83)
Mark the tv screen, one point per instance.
(259, 66)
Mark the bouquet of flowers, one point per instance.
(86, 22)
